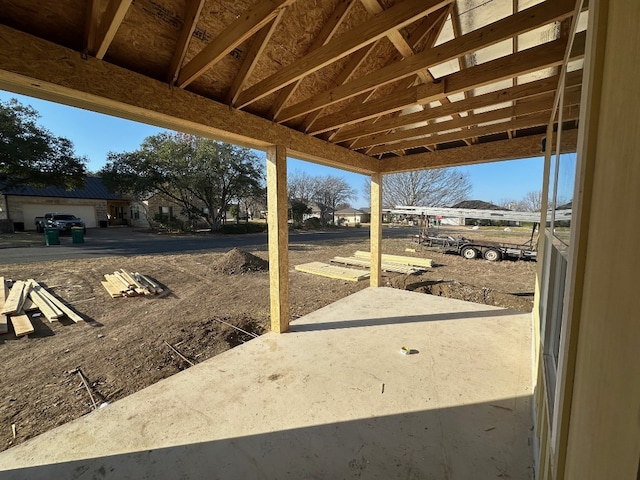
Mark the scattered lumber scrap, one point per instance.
(122, 283)
(386, 266)
(399, 259)
(15, 299)
(21, 324)
(4, 320)
(29, 296)
(331, 271)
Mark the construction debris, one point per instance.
(129, 284)
(29, 296)
(331, 271)
(399, 259)
(237, 261)
(386, 266)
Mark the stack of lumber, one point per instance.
(331, 271)
(399, 259)
(390, 263)
(28, 296)
(129, 284)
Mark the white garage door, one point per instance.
(32, 210)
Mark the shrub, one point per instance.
(312, 223)
(239, 228)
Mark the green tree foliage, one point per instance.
(31, 155)
(201, 175)
(298, 210)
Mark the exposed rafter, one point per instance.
(429, 26)
(325, 35)
(518, 147)
(236, 33)
(251, 59)
(398, 16)
(526, 121)
(102, 30)
(192, 12)
(546, 85)
(521, 63)
(491, 34)
(539, 103)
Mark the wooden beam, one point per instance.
(525, 121)
(423, 93)
(519, 147)
(376, 230)
(251, 59)
(510, 94)
(398, 16)
(92, 21)
(192, 12)
(527, 61)
(327, 32)
(30, 66)
(539, 103)
(4, 326)
(108, 26)
(236, 33)
(278, 238)
(491, 34)
(430, 28)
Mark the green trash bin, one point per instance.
(77, 234)
(51, 236)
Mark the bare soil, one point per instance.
(122, 346)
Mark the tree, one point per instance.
(423, 188)
(331, 192)
(298, 210)
(31, 155)
(302, 186)
(201, 175)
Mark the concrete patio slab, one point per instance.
(334, 398)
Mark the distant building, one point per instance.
(351, 216)
(93, 203)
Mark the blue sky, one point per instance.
(94, 135)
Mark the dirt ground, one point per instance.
(122, 346)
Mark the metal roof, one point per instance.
(93, 188)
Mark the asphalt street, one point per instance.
(127, 242)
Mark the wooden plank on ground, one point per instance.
(15, 299)
(4, 324)
(46, 307)
(400, 259)
(331, 271)
(60, 305)
(116, 282)
(387, 267)
(21, 324)
(111, 290)
(29, 306)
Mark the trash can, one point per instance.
(77, 234)
(51, 236)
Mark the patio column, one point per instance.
(278, 237)
(376, 229)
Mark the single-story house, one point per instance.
(351, 216)
(93, 203)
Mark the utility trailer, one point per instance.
(470, 249)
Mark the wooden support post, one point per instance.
(376, 230)
(278, 237)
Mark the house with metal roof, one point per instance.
(93, 203)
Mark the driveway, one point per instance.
(126, 241)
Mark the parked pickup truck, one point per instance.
(62, 221)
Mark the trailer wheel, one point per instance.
(493, 255)
(469, 253)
